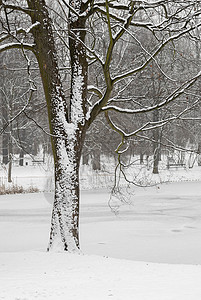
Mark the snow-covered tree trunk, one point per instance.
(67, 126)
(65, 216)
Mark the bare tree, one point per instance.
(70, 117)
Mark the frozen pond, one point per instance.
(163, 224)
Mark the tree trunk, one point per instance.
(10, 159)
(85, 159)
(64, 233)
(141, 158)
(5, 135)
(10, 169)
(22, 137)
(156, 144)
(96, 165)
(21, 161)
(67, 125)
(5, 148)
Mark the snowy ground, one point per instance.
(151, 250)
(34, 275)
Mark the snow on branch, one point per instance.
(169, 145)
(13, 34)
(148, 53)
(147, 126)
(151, 125)
(113, 5)
(9, 46)
(92, 88)
(147, 25)
(142, 5)
(93, 52)
(176, 93)
(28, 30)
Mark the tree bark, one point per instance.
(67, 125)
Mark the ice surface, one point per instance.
(149, 251)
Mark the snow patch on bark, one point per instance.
(77, 90)
(61, 118)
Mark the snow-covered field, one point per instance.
(150, 250)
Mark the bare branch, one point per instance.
(175, 94)
(18, 114)
(94, 89)
(160, 47)
(9, 46)
(25, 10)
